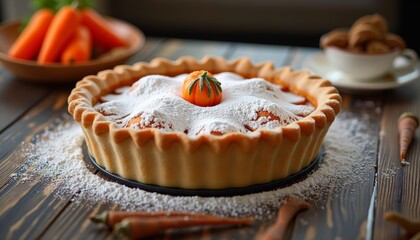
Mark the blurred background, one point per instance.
(282, 22)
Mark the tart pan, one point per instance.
(224, 192)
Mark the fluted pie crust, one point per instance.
(173, 159)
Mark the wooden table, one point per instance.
(29, 211)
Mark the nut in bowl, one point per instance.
(57, 73)
(367, 50)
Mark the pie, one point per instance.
(266, 124)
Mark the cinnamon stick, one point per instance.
(111, 218)
(135, 228)
(411, 227)
(286, 213)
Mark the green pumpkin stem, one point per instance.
(208, 81)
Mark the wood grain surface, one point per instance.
(398, 186)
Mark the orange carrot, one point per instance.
(286, 213)
(29, 42)
(143, 227)
(102, 34)
(59, 33)
(111, 218)
(202, 88)
(407, 125)
(79, 48)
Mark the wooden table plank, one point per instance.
(175, 48)
(398, 186)
(300, 56)
(74, 223)
(262, 53)
(27, 206)
(16, 97)
(19, 218)
(147, 52)
(343, 213)
(27, 127)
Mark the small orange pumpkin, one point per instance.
(202, 88)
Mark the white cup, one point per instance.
(364, 66)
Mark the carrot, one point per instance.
(59, 33)
(411, 227)
(79, 48)
(202, 88)
(143, 227)
(102, 34)
(111, 218)
(29, 42)
(407, 125)
(286, 213)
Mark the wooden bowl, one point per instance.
(58, 73)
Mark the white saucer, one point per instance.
(318, 64)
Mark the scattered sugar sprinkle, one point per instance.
(56, 157)
(389, 172)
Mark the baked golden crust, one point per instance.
(173, 159)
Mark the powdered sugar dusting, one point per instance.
(57, 158)
(152, 100)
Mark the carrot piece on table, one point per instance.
(143, 227)
(59, 33)
(102, 34)
(407, 124)
(79, 48)
(411, 227)
(286, 213)
(111, 218)
(29, 42)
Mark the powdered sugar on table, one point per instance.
(56, 157)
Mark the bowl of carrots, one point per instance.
(64, 46)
